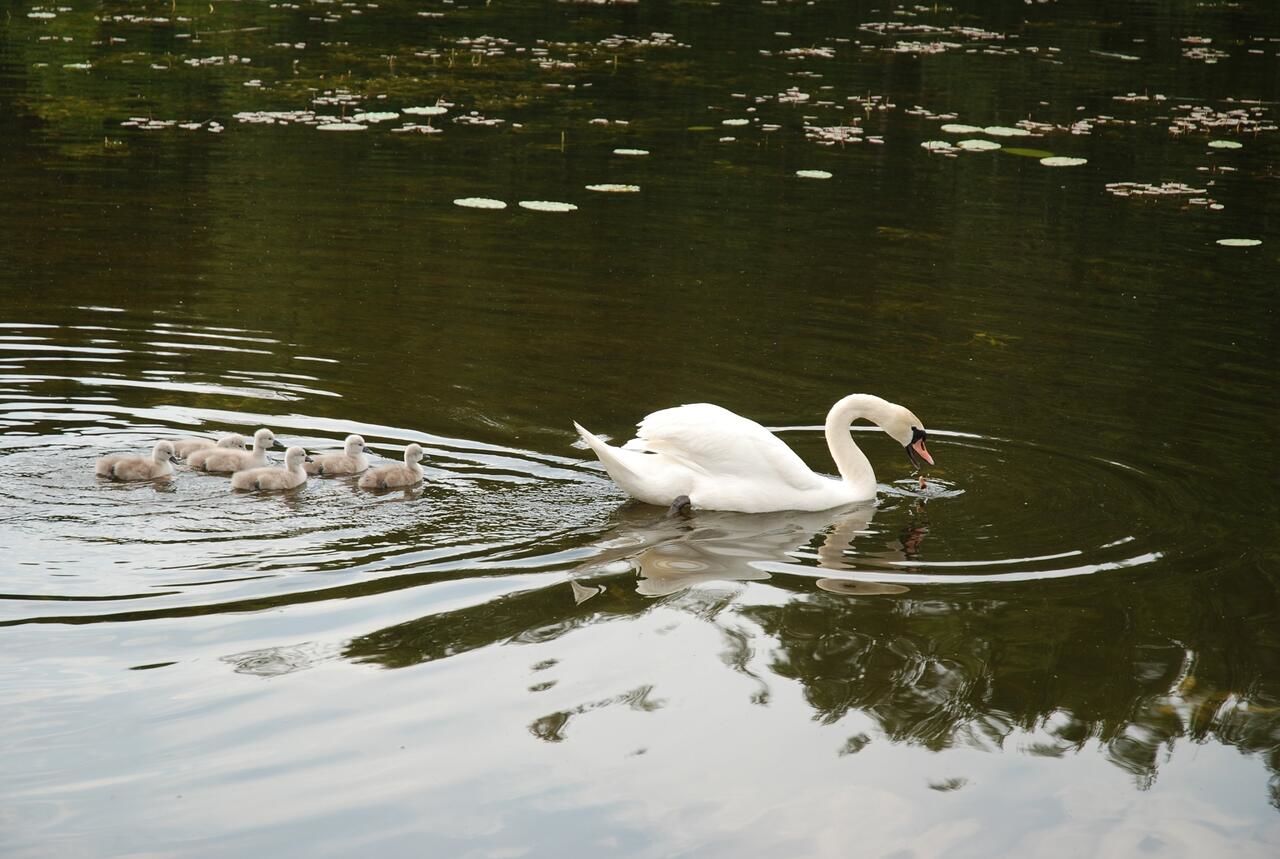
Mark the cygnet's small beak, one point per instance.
(277, 444)
(307, 459)
(916, 451)
(366, 449)
(173, 458)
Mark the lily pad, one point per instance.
(958, 128)
(974, 145)
(431, 110)
(937, 146)
(734, 121)
(631, 152)
(1239, 243)
(611, 188)
(1225, 144)
(342, 126)
(1063, 161)
(1006, 131)
(479, 203)
(813, 174)
(381, 116)
(547, 206)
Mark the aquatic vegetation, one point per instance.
(479, 203)
(1063, 161)
(547, 206)
(833, 135)
(813, 174)
(612, 188)
(631, 152)
(1239, 243)
(977, 145)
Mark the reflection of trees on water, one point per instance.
(1133, 665)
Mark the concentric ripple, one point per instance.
(82, 549)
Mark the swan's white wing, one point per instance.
(720, 443)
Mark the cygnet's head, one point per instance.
(233, 440)
(162, 451)
(354, 446)
(412, 454)
(265, 439)
(295, 456)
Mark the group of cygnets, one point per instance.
(250, 469)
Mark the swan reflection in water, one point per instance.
(669, 554)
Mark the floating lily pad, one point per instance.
(431, 110)
(958, 128)
(631, 152)
(1063, 161)
(342, 126)
(547, 206)
(974, 145)
(1006, 131)
(610, 188)
(1225, 144)
(813, 174)
(382, 116)
(735, 121)
(1028, 153)
(937, 146)
(1239, 243)
(479, 203)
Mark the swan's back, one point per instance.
(718, 443)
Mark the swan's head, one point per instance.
(163, 451)
(354, 446)
(412, 454)
(294, 457)
(908, 431)
(265, 439)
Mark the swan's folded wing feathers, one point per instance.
(716, 441)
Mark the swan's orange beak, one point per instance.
(916, 451)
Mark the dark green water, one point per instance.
(1068, 644)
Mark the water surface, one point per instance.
(1063, 644)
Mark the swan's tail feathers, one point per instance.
(610, 457)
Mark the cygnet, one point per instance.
(226, 461)
(352, 460)
(124, 466)
(390, 476)
(290, 477)
(184, 447)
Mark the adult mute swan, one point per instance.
(723, 461)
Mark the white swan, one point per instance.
(391, 476)
(290, 477)
(723, 461)
(121, 466)
(184, 447)
(352, 460)
(225, 460)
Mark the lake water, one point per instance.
(225, 216)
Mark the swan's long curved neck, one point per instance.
(852, 463)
